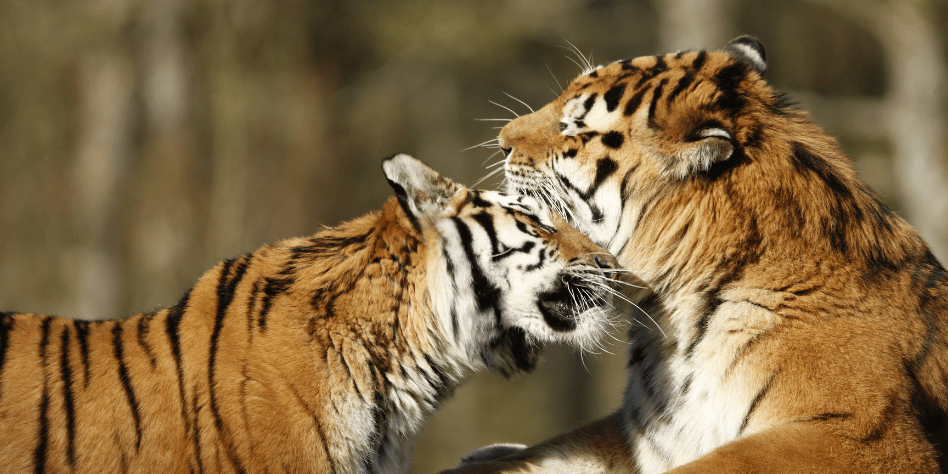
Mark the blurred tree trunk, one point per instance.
(693, 24)
(163, 237)
(912, 112)
(106, 81)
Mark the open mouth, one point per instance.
(567, 300)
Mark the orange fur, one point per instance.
(318, 354)
(806, 323)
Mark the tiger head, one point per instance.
(508, 274)
(682, 163)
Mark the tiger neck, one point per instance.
(707, 243)
(377, 299)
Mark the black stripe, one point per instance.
(440, 381)
(819, 166)
(172, 327)
(760, 396)
(226, 287)
(406, 208)
(273, 288)
(613, 139)
(487, 295)
(656, 96)
(612, 97)
(588, 104)
(634, 102)
(729, 79)
(524, 352)
(127, 382)
(82, 335)
(659, 66)
(604, 168)
(699, 61)
(454, 321)
(534, 266)
(254, 294)
(39, 454)
(449, 268)
(497, 249)
(527, 247)
(196, 438)
(144, 325)
(829, 416)
(844, 214)
(683, 84)
(701, 327)
(6, 327)
(68, 404)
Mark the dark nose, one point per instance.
(558, 305)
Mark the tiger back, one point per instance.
(320, 354)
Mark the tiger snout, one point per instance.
(578, 288)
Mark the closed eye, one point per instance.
(537, 223)
(714, 132)
(708, 130)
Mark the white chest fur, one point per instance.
(685, 399)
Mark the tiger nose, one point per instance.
(504, 147)
(531, 130)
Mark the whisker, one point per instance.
(494, 119)
(486, 177)
(482, 144)
(518, 100)
(555, 94)
(491, 156)
(555, 79)
(505, 252)
(498, 163)
(586, 60)
(505, 107)
(580, 66)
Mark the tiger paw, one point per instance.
(489, 453)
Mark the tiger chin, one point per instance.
(799, 324)
(321, 354)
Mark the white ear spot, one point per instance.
(750, 50)
(751, 55)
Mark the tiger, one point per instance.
(322, 354)
(795, 322)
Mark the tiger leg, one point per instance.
(597, 447)
(811, 447)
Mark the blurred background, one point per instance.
(142, 141)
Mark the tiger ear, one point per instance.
(700, 151)
(422, 191)
(749, 50)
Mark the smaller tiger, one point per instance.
(321, 354)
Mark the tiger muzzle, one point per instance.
(567, 300)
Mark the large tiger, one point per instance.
(321, 354)
(802, 326)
